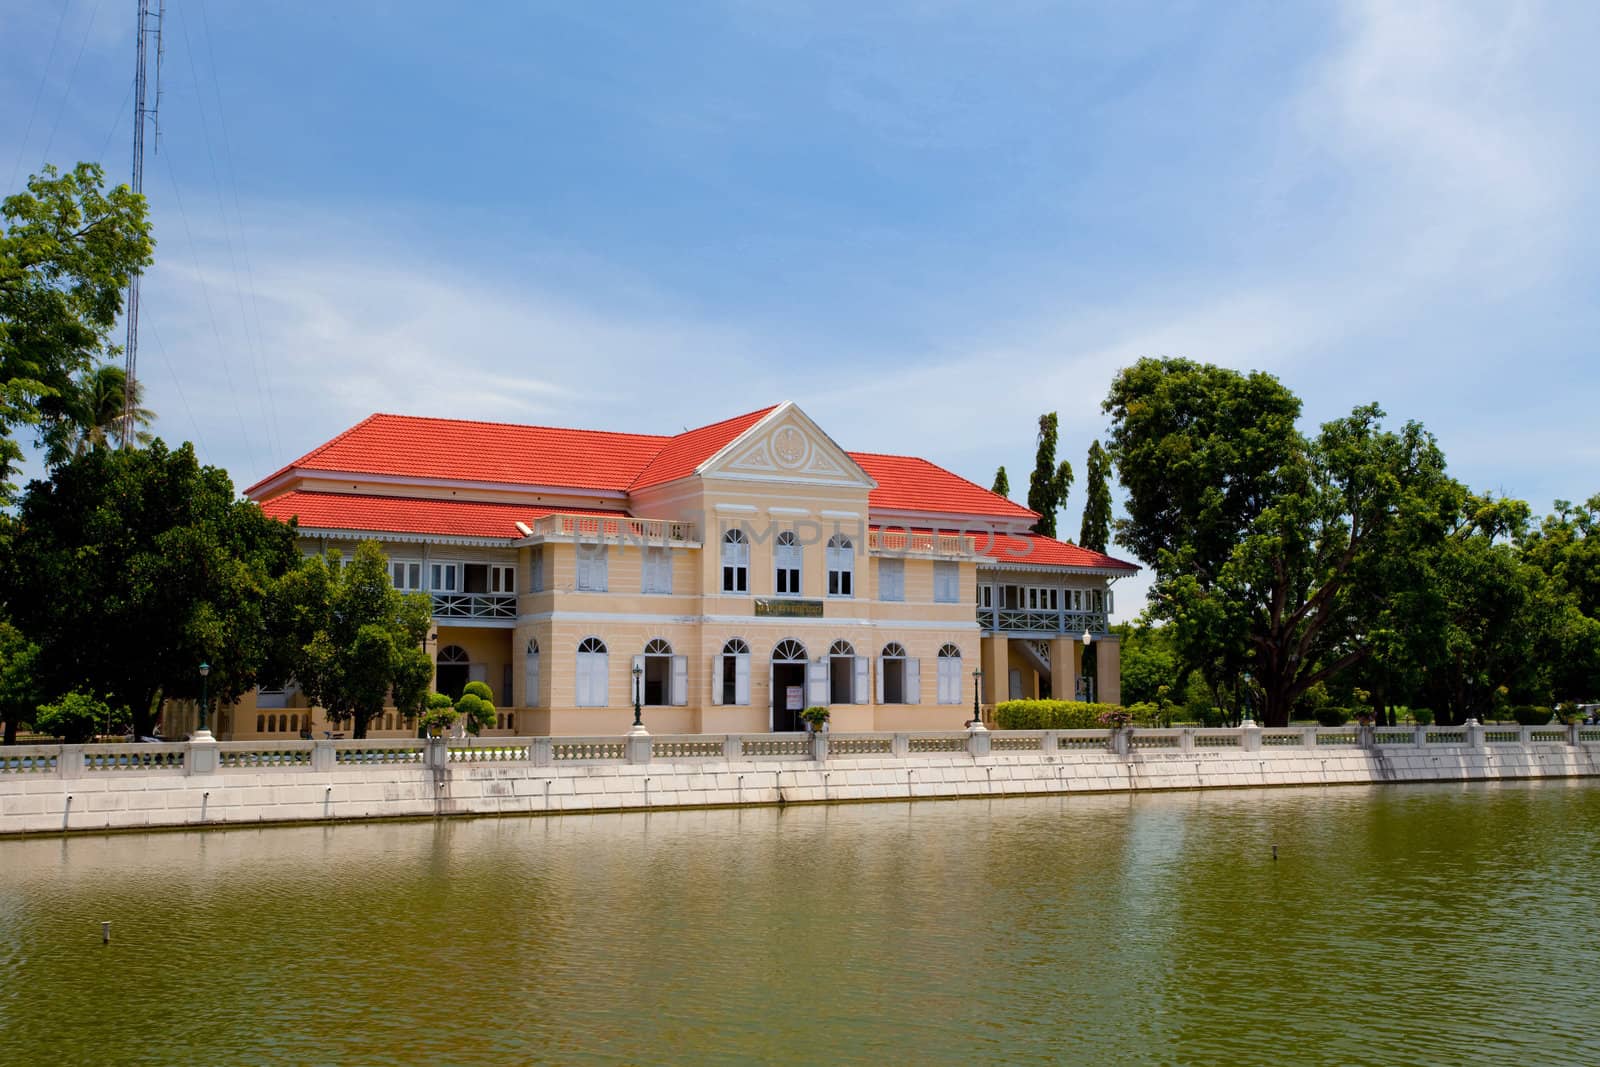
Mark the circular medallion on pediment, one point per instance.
(790, 447)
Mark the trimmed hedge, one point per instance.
(1050, 715)
(1528, 715)
(1333, 716)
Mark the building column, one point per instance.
(1110, 667)
(1063, 667)
(996, 669)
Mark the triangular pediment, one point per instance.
(787, 446)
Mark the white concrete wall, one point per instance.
(45, 803)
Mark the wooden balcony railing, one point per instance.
(1023, 621)
(474, 606)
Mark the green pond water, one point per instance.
(1399, 925)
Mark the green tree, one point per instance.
(67, 251)
(1096, 531)
(1049, 484)
(131, 567)
(98, 412)
(1566, 547)
(20, 693)
(1275, 555)
(1002, 484)
(357, 641)
(1479, 618)
(78, 716)
(1149, 665)
(477, 706)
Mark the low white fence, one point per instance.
(189, 758)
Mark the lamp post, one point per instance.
(1083, 677)
(977, 711)
(205, 671)
(638, 721)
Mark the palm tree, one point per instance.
(99, 411)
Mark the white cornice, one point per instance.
(334, 534)
(522, 488)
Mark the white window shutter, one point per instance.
(862, 676)
(580, 679)
(880, 680)
(530, 682)
(600, 682)
(913, 681)
(680, 680)
(716, 678)
(741, 678)
(817, 682)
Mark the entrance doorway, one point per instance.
(788, 686)
(454, 671)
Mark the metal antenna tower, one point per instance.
(141, 115)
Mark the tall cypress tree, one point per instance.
(1002, 484)
(1096, 532)
(1048, 487)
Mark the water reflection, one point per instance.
(1417, 924)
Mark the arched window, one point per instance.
(294, 723)
(530, 678)
(272, 724)
(453, 670)
(261, 724)
(730, 674)
(786, 558)
(592, 674)
(789, 651)
(847, 675)
(735, 562)
(950, 675)
(841, 566)
(899, 676)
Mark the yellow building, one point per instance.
(727, 576)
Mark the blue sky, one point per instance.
(924, 222)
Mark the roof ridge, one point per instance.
(498, 423)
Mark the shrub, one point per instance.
(1568, 713)
(478, 712)
(1529, 715)
(1422, 716)
(1145, 714)
(1331, 716)
(1050, 715)
(440, 715)
(78, 716)
(816, 715)
(480, 690)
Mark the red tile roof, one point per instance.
(1034, 550)
(906, 483)
(499, 452)
(398, 514)
(598, 460)
(685, 452)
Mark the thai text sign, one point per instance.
(790, 609)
